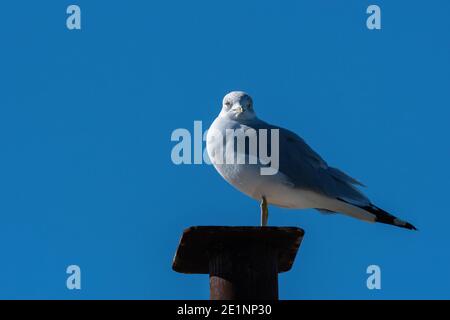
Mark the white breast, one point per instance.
(248, 179)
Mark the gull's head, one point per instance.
(237, 105)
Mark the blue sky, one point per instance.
(86, 117)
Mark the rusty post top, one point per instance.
(196, 244)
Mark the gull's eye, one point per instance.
(228, 104)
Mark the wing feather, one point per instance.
(307, 170)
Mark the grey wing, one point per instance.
(307, 170)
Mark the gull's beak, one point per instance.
(238, 109)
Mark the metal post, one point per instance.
(242, 262)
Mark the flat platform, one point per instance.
(198, 243)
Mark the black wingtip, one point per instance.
(385, 217)
(410, 227)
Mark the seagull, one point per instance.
(303, 179)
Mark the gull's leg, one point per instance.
(264, 212)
